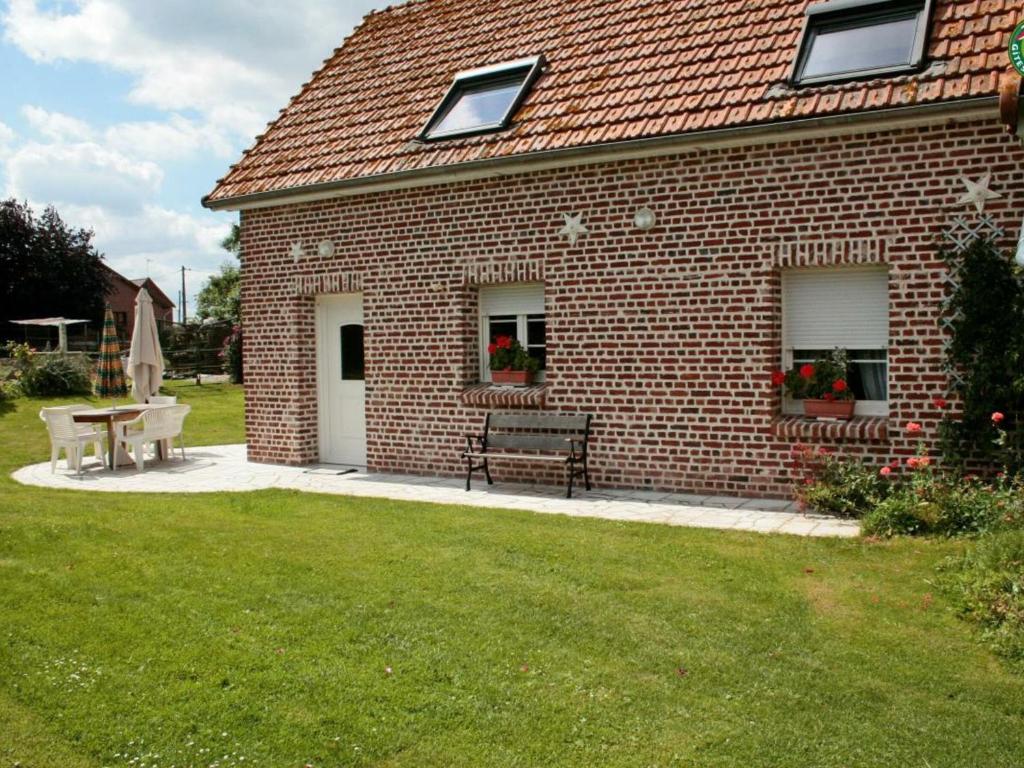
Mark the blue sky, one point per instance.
(123, 113)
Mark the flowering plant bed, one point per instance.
(510, 363)
(821, 385)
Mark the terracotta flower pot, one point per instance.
(515, 378)
(829, 409)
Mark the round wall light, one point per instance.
(644, 219)
(325, 249)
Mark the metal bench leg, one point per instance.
(586, 473)
(487, 471)
(572, 476)
(469, 472)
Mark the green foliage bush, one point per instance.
(231, 355)
(987, 584)
(947, 506)
(830, 485)
(56, 375)
(987, 347)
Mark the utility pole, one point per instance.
(184, 301)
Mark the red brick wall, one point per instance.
(666, 336)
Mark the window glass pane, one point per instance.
(479, 106)
(867, 375)
(352, 353)
(503, 326)
(861, 45)
(536, 333)
(536, 330)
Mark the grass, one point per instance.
(291, 629)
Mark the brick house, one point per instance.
(665, 200)
(121, 299)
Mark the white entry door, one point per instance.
(342, 389)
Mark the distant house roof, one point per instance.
(617, 71)
(158, 296)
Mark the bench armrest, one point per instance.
(481, 440)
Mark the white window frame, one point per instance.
(521, 310)
(791, 407)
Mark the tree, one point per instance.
(233, 242)
(220, 298)
(48, 269)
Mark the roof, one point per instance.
(619, 70)
(155, 293)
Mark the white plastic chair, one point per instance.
(71, 437)
(152, 426)
(162, 400)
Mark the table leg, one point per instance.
(111, 444)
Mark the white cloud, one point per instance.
(7, 137)
(56, 125)
(81, 174)
(216, 70)
(235, 59)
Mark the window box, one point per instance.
(841, 410)
(513, 378)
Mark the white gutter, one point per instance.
(796, 130)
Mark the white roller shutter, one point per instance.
(512, 299)
(835, 307)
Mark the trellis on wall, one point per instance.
(960, 235)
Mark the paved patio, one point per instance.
(225, 468)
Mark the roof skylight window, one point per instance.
(483, 100)
(853, 39)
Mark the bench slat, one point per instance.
(528, 442)
(564, 421)
(524, 456)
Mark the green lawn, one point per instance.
(291, 629)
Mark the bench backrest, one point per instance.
(535, 431)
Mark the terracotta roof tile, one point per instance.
(618, 70)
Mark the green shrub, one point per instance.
(231, 355)
(987, 584)
(57, 375)
(902, 514)
(946, 506)
(830, 485)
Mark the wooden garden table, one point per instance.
(110, 417)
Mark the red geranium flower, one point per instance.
(839, 386)
(504, 342)
(913, 428)
(939, 402)
(806, 371)
(997, 417)
(885, 471)
(778, 378)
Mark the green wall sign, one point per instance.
(1017, 48)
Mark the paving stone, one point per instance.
(226, 469)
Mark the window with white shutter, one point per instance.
(516, 310)
(842, 307)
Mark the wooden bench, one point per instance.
(549, 437)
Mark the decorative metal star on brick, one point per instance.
(296, 251)
(978, 192)
(573, 227)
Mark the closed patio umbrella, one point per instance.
(109, 371)
(146, 359)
